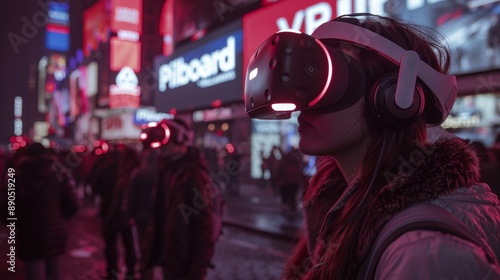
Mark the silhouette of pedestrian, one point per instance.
(45, 199)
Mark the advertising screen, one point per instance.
(471, 28)
(124, 53)
(476, 117)
(203, 73)
(202, 15)
(126, 15)
(57, 30)
(95, 26)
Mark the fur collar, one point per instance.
(435, 170)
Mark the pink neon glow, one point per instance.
(143, 136)
(167, 133)
(329, 79)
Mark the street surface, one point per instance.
(239, 255)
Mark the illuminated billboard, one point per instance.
(471, 28)
(126, 15)
(203, 73)
(124, 54)
(95, 26)
(57, 29)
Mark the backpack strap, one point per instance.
(422, 216)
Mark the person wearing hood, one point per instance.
(181, 240)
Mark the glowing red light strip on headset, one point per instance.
(329, 79)
(167, 133)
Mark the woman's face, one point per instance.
(334, 133)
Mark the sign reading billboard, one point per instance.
(204, 71)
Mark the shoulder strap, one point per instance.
(423, 216)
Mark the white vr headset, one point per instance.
(292, 71)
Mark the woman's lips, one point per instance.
(302, 124)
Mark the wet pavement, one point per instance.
(257, 238)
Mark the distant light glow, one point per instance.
(105, 147)
(155, 145)
(283, 106)
(143, 136)
(230, 148)
(253, 74)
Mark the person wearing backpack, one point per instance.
(181, 240)
(366, 87)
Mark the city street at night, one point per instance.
(243, 252)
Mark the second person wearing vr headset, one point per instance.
(366, 87)
(181, 240)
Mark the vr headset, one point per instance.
(155, 135)
(293, 71)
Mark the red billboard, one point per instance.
(471, 28)
(298, 15)
(126, 15)
(95, 26)
(124, 53)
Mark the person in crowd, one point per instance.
(264, 169)
(375, 161)
(181, 241)
(45, 199)
(142, 190)
(274, 161)
(232, 166)
(111, 183)
(290, 179)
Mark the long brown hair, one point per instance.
(342, 252)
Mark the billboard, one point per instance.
(471, 28)
(95, 26)
(203, 15)
(57, 30)
(476, 117)
(126, 15)
(203, 73)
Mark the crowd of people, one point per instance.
(159, 202)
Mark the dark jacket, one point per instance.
(448, 177)
(103, 183)
(44, 200)
(183, 225)
(142, 189)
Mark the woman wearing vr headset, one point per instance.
(375, 160)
